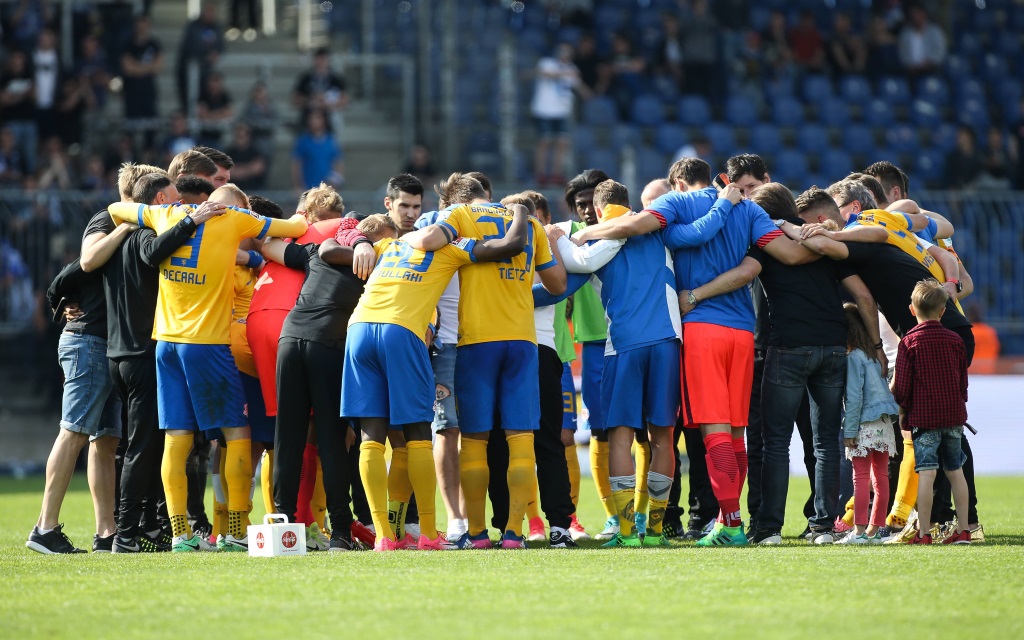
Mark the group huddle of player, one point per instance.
(312, 340)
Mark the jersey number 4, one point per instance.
(502, 225)
(192, 261)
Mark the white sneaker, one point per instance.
(775, 538)
(854, 538)
(231, 543)
(823, 537)
(315, 539)
(413, 530)
(611, 529)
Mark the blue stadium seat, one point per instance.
(994, 68)
(765, 139)
(777, 89)
(858, 138)
(1008, 91)
(721, 138)
(790, 168)
(835, 164)
(694, 111)
(878, 113)
(902, 138)
(834, 112)
(1008, 43)
(957, 67)
(740, 111)
(647, 111)
(973, 113)
(966, 88)
(944, 137)
(812, 139)
(924, 113)
(788, 112)
(669, 137)
(817, 88)
(650, 164)
(583, 138)
(929, 166)
(623, 135)
(606, 160)
(968, 44)
(855, 89)
(600, 110)
(895, 91)
(934, 90)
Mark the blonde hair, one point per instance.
(323, 203)
(377, 226)
(459, 188)
(232, 192)
(520, 198)
(129, 174)
(929, 299)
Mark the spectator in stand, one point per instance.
(668, 59)
(74, 101)
(251, 13)
(557, 78)
(55, 170)
(700, 49)
(807, 44)
(998, 168)
(12, 163)
(922, 44)
(964, 163)
(316, 157)
(214, 109)
(121, 152)
(179, 139)
(141, 61)
(847, 52)
(94, 178)
(420, 164)
(26, 20)
(593, 67)
(250, 170)
(775, 45)
(202, 43)
(883, 49)
(93, 70)
(261, 115)
(625, 79)
(323, 90)
(733, 18)
(986, 343)
(46, 67)
(17, 106)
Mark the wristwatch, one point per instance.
(691, 299)
(959, 285)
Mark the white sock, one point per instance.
(218, 489)
(457, 527)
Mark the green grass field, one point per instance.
(795, 590)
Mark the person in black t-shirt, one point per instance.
(251, 164)
(141, 61)
(321, 89)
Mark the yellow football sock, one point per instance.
(423, 477)
(623, 500)
(475, 476)
(599, 469)
(220, 501)
(522, 479)
(238, 472)
(399, 490)
(172, 471)
(906, 488)
(659, 486)
(848, 516)
(643, 467)
(573, 463)
(533, 506)
(374, 473)
(318, 503)
(267, 481)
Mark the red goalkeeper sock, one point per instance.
(307, 482)
(724, 474)
(740, 450)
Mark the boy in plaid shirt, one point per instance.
(931, 387)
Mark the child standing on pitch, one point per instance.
(867, 430)
(931, 388)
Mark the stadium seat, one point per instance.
(812, 139)
(969, 44)
(600, 110)
(740, 111)
(834, 112)
(858, 138)
(647, 111)
(924, 113)
(878, 113)
(902, 138)
(929, 166)
(994, 68)
(1008, 91)
(721, 138)
(855, 89)
(835, 164)
(973, 113)
(623, 135)
(966, 88)
(957, 67)
(606, 160)
(650, 164)
(788, 112)
(669, 137)
(790, 168)
(694, 111)
(1007, 43)
(817, 89)
(583, 138)
(775, 90)
(944, 137)
(934, 90)
(895, 91)
(765, 139)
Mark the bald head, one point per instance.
(654, 190)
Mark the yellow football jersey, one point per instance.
(197, 282)
(900, 236)
(496, 301)
(406, 283)
(245, 281)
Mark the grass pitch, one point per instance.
(794, 590)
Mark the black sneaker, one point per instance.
(141, 543)
(806, 533)
(824, 536)
(671, 529)
(340, 544)
(766, 536)
(102, 544)
(53, 541)
(561, 540)
(203, 529)
(166, 539)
